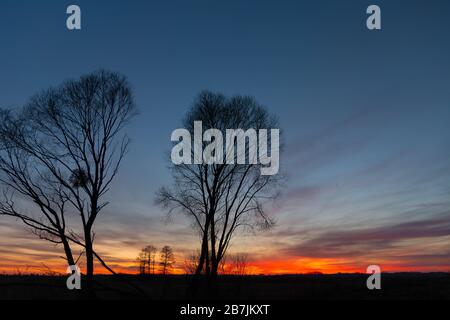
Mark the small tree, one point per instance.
(238, 265)
(191, 262)
(140, 261)
(146, 260)
(167, 259)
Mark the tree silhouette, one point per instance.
(147, 260)
(191, 262)
(222, 198)
(21, 176)
(167, 259)
(64, 149)
(238, 264)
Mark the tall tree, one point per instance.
(222, 198)
(167, 259)
(74, 135)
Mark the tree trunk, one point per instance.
(202, 263)
(207, 259)
(68, 251)
(89, 255)
(204, 251)
(214, 263)
(212, 279)
(89, 251)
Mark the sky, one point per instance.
(365, 118)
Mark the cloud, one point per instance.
(365, 241)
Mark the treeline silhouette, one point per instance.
(150, 263)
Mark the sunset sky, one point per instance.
(365, 117)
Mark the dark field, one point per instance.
(287, 287)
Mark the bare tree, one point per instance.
(238, 264)
(25, 179)
(191, 262)
(151, 262)
(222, 198)
(71, 137)
(167, 259)
(147, 260)
(141, 261)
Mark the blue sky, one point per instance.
(365, 113)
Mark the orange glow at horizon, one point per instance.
(260, 267)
